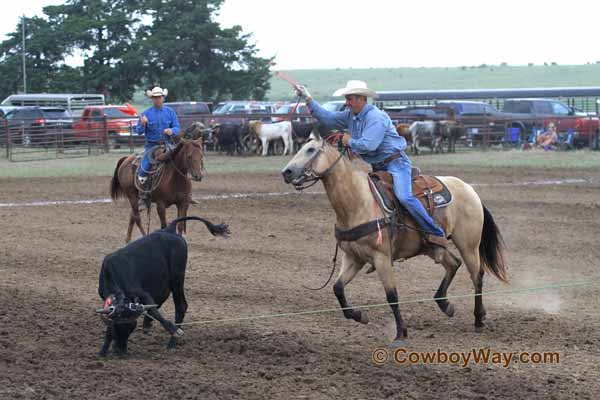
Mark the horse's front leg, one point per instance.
(182, 210)
(350, 267)
(386, 275)
(161, 210)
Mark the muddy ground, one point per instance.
(51, 255)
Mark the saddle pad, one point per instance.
(430, 191)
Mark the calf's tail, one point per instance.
(214, 229)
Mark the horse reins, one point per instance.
(337, 247)
(312, 176)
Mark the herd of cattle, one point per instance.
(258, 137)
(286, 137)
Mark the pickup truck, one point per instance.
(189, 112)
(120, 121)
(530, 114)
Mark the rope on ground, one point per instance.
(497, 293)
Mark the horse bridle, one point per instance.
(311, 176)
(172, 159)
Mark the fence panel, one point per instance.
(36, 140)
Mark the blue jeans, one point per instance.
(400, 169)
(145, 166)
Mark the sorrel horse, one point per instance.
(171, 186)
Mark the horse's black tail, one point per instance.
(220, 229)
(116, 191)
(491, 248)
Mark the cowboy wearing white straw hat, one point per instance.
(158, 123)
(373, 136)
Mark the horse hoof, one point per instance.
(450, 310)
(364, 318)
(479, 328)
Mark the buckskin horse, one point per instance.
(361, 223)
(170, 186)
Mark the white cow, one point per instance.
(269, 132)
(428, 130)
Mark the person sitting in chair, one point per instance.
(159, 124)
(548, 138)
(374, 138)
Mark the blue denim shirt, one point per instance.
(374, 136)
(159, 119)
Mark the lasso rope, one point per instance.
(497, 293)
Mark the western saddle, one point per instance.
(430, 191)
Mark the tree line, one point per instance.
(128, 44)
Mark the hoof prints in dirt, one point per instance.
(49, 334)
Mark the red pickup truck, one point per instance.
(119, 121)
(528, 113)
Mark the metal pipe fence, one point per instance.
(35, 140)
(485, 132)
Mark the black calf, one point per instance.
(139, 277)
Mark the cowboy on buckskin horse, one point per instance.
(159, 124)
(374, 138)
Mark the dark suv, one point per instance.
(35, 125)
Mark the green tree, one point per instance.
(188, 52)
(44, 59)
(104, 33)
(124, 43)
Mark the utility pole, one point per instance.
(24, 69)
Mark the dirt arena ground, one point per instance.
(51, 255)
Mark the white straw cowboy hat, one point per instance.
(355, 87)
(157, 92)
